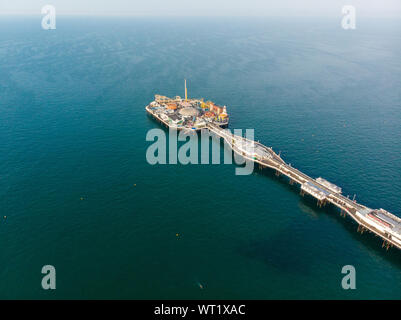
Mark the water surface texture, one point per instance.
(78, 193)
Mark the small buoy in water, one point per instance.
(5, 217)
(134, 184)
(177, 234)
(82, 198)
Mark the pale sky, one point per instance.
(322, 8)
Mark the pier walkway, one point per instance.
(382, 223)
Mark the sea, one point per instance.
(77, 191)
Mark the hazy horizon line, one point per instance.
(172, 15)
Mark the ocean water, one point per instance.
(73, 125)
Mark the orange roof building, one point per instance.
(215, 108)
(172, 106)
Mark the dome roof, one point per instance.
(188, 112)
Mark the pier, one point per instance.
(378, 221)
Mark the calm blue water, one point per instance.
(73, 125)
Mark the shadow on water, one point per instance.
(369, 240)
(276, 251)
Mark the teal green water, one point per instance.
(73, 124)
